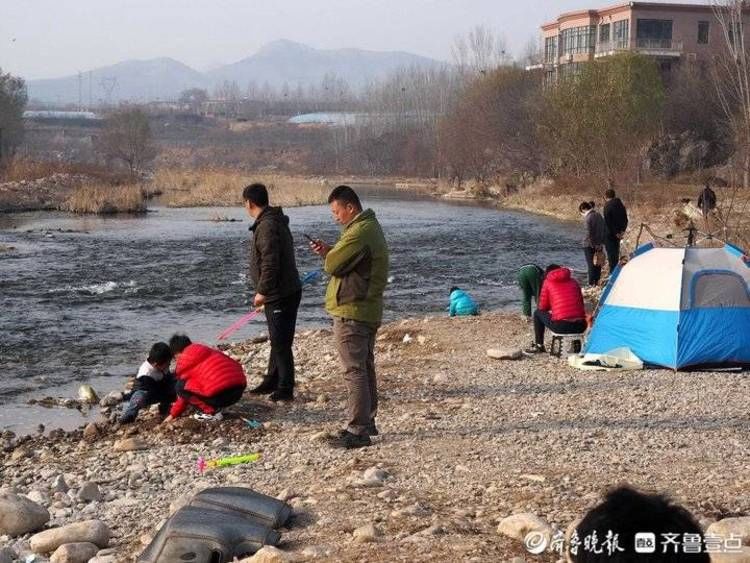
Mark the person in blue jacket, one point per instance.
(461, 304)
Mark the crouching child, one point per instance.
(205, 378)
(461, 304)
(153, 384)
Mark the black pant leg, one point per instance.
(594, 272)
(612, 244)
(541, 319)
(165, 393)
(272, 373)
(225, 398)
(567, 327)
(282, 323)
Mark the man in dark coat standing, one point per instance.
(273, 271)
(616, 219)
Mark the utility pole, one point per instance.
(90, 99)
(80, 90)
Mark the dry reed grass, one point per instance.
(201, 188)
(103, 199)
(22, 168)
(666, 208)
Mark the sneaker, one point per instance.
(263, 389)
(282, 395)
(535, 349)
(370, 430)
(203, 417)
(348, 441)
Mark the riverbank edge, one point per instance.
(30, 198)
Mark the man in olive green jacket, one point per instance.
(358, 266)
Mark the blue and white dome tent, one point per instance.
(678, 308)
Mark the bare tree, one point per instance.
(13, 100)
(532, 53)
(479, 51)
(194, 98)
(127, 137)
(731, 76)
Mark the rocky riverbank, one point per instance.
(466, 441)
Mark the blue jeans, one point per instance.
(149, 393)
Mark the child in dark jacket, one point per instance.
(153, 384)
(461, 304)
(206, 379)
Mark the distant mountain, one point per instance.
(135, 80)
(277, 63)
(293, 63)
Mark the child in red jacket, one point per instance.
(207, 379)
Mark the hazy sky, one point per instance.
(51, 38)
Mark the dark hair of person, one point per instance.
(344, 194)
(257, 194)
(454, 288)
(609, 194)
(160, 353)
(551, 268)
(178, 343)
(586, 205)
(626, 512)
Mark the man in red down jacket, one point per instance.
(205, 378)
(560, 308)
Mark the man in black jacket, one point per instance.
(273, 271)
(616, 219)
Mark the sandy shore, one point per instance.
(466, 441)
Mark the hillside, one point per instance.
(135, 80)
(278, 63)
(293, 63)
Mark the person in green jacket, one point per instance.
(358, 266)
(530, 278)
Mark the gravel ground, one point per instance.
(465, 441)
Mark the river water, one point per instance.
(82, 298)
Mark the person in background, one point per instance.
(461, 304)
(358, 266)
(616, 220)
(530, 278)
(273, 270)
(561, 307)
(593, 243)
(707, 202)
(206, 379)
(153, 384)
(626, 514)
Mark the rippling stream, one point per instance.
(82, 298)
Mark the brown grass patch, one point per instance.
(102, 199)
(21, 168)
(662, 206)
(201, 188)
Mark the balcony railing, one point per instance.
(610, 46)
(644, 45)
(658, 45)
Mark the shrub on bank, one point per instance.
(103, 199)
